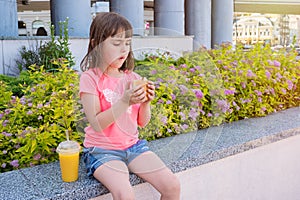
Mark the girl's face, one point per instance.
(115, 51)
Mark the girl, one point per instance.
(114, 109)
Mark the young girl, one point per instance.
(114, 109)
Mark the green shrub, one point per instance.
(228, 85)
(198, 90)
(46, 52)
(33, 125)
(15, 83)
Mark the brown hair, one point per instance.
(106, 25)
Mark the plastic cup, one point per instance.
(68, 152)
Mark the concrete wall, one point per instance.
(267, 172)
(9, 49)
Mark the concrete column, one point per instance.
(9, 18)
(79, 15)
(133, 10)
(198, 22)
(222, 21)
(169, 17)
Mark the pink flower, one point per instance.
(172, 67)
(243, 84)
(223, 105)
(6, 134)
(192, 70)
(173, 96)
(259, 93)
(259, 99)
(37, 156)
(182, 115)
(230, 91)
(279, 76)
(183, 89)
(198, 93)
(270, 62)
(268, 74)
(14, 163)
(29, 112)
(250, 74)
(290, 84)
(276, 63)
(193, 114)
(197, 68)
(184, 126)
(7, 111)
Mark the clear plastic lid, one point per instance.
(67, 147)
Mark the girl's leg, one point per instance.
(114, 176)
(150, 167)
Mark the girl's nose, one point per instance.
(124, 48)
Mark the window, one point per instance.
(21, 24)
(37, 23)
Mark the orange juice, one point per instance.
(69, 164)
(68, 152)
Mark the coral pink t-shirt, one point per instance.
(123, 133)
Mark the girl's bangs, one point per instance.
(120, 28)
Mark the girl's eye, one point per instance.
(116, 44)
(128, 43)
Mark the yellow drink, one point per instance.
(69, 166)
(68, 152)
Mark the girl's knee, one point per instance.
(175, 183)
(172, 186)
(123, 194)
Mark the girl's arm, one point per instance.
(99, 120)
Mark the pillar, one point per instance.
(222, 21)
(133, 10)
(169, 17)
(79, 15)
(9, 18)
(198, 22)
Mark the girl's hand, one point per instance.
(150, 91)
(134, 95)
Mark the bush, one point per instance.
(209, 87)
(45, 53)
(34, 124)
(15, 83)
(198, 90)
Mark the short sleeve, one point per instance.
(88, 84)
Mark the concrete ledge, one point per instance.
(181, 153)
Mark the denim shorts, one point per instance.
(94, 157)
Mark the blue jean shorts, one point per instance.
(94, 157)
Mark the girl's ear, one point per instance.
(92, 43)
